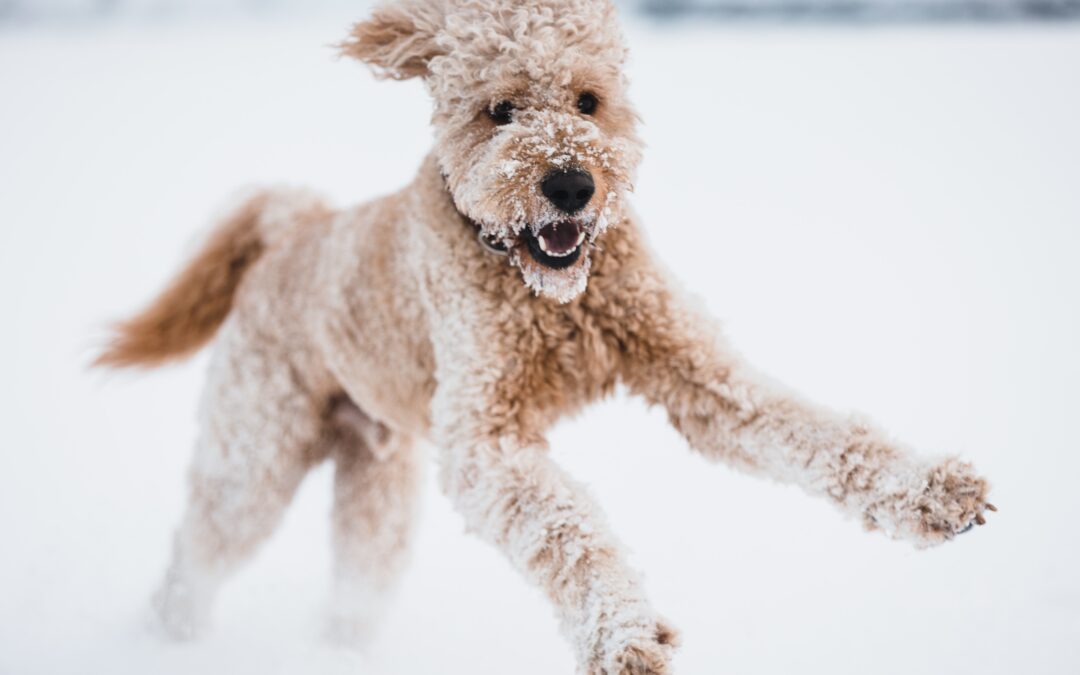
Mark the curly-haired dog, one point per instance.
(506, 286)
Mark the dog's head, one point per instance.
(534, 135)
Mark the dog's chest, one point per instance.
(557, 356)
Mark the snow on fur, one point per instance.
(356, 333)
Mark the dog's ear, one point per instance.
(398, 40)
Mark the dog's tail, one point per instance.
(187, 314)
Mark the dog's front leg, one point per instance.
(674, 357)
(513, 495)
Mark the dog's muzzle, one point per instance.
(557, 245)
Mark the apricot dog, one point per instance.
(506, 286)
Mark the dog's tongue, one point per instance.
(560, 238)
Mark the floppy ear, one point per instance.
(398, 40)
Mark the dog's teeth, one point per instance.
(547, 248)
(554, 254)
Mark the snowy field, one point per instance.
(888, 220)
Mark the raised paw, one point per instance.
(648, 654)
(932, 505)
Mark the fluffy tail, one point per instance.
(187, 314)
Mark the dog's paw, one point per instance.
(932, 505)
(347, 632)
(354, 612)
(351, 627)
(177, 613)
(646, 654)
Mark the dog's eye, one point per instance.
(587, 103)
(501, 112)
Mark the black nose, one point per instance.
(570, 191)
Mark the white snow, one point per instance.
(888, 220)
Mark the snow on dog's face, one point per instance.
(534, 135)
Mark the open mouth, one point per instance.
(557, 245)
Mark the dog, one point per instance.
(506, 286)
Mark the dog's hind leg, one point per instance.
(261, 430)
(376, 479)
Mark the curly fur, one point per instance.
(349, 334)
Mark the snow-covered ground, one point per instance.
(888, 220)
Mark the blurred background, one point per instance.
(880, 198)
(727, 10)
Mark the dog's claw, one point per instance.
(979, 519)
